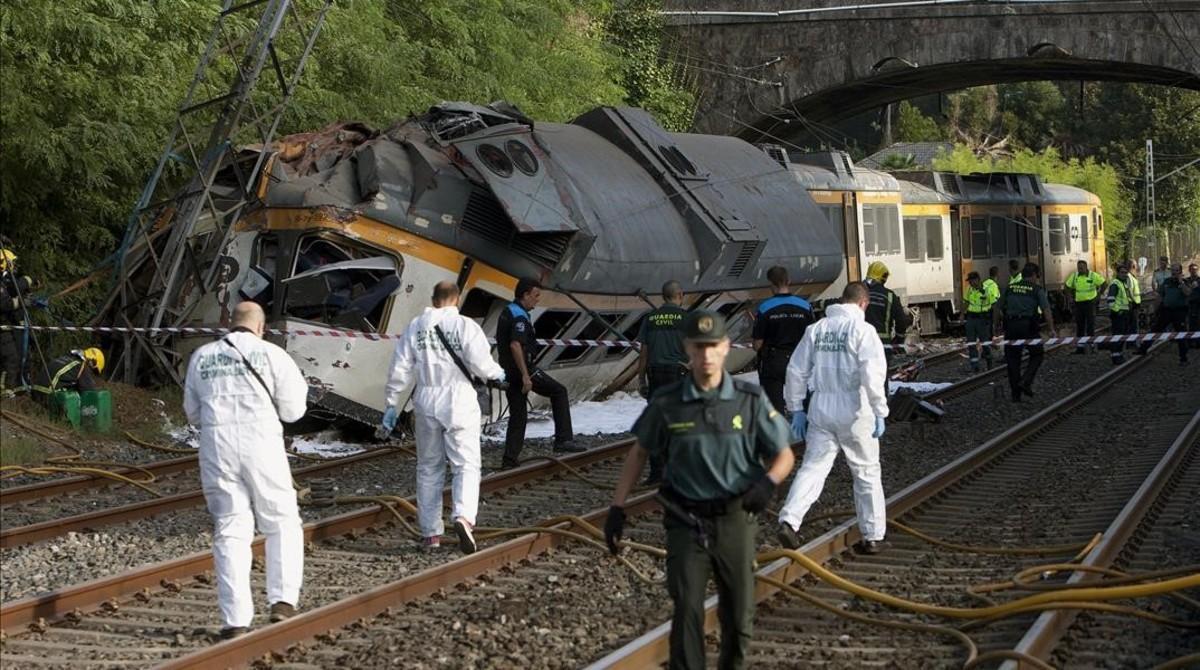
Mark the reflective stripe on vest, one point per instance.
(1121, 301)
(57, 377)
(887, 315)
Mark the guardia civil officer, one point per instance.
(1083, 288)
(1019, 308)
(726, 449)
(662, 360)
(779, 325)
(515, 342)
(238, 389)
(842, 361)
(978, 321)
(446, 410)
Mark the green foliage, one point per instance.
(895, 162)
(1089, 174)
(913, 126)
(89, 89)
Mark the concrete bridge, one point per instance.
(771, 66)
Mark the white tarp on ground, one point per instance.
(614, 415)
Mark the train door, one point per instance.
(850, 226)
(1040, 230)
(956, 258)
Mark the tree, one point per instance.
(89, 89)
(913, 126)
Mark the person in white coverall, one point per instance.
(244, 469)
(841, 359)
(446, 411)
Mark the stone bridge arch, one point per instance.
(764, 67)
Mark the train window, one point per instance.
(596, 329)
(478, 303)
(1058, 234)
(833, 214)
(979, 238)
(552, 324)
(628, 333)
(933, 239)
(965, 233)
(1018, 242)
(521, 157)
(999, 237)
(341, 284)
(893, 223)
(494, 159)
(912, 240)
(1083, 233)
(870, 246)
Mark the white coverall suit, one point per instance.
(243, 466)
(841, 359)
(446, 409)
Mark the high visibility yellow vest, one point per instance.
(978, 301)
(1085, 286)
(992, 289)
(1127, 295)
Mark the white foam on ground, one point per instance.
(325, 444)
(917, 387)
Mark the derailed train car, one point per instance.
(357, 226)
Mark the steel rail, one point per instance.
(13, 494)
(973, 382)
(44, 530)
(651, 648)
(1047, 630)
(244, 650)
(91, 594)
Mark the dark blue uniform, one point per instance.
(780, 323)
(515, 326)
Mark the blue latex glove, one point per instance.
(879, 427)
(799, 425)
(503, 376)
(389, 418)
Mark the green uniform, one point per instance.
(661, 334)
(713, 444)
(1022, 305)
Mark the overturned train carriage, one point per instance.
(357, 226)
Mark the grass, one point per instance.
(20, 450)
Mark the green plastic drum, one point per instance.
(66, 403)
(96, 411)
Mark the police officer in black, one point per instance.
(515, 341)
(779, 325)
(726, 449)
(1023, 306)
(662, 360)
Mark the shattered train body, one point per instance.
(357, 226)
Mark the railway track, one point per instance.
(55, 511)
(145, 616)
(1036, 485)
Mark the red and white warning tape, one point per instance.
(1145, 338)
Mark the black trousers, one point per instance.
(518, 411)
(1022, 329)
(658, 376)
(1171, 318)
(11, 357)
(772, 375)
(1085, 320)
(1123, 323)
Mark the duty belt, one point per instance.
(701, 508)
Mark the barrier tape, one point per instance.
(1144, 338)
